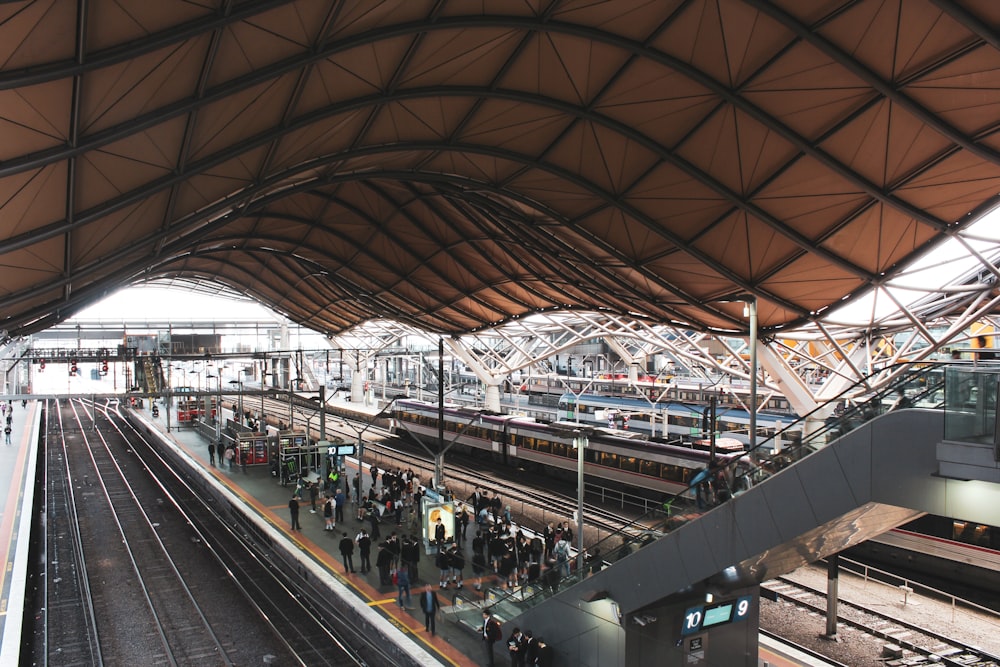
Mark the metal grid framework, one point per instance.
(458, 166)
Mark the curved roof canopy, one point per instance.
(455, 165)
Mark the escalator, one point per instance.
(860, 471)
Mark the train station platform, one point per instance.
(18, 467)
(264, 495)
(457, 642)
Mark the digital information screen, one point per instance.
(717, 615)
(701, 618)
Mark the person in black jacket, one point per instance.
(364, 550)
(347, 553)
(456, 562)
(293, 510)
(429, 604)
(384, 563)
(492, 633)
(410, 556)
(516, 648)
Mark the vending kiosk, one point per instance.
(435, 508)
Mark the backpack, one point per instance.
(493, 630)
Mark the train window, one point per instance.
(651, 468)
(629, 463)
(560, 449)
(608, 460)
(543, 446)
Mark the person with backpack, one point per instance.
(492, 633)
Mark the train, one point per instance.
(950, 550)
(683, 420)
(649, 388)
(618, 457)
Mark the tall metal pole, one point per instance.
(581, 442)
(439, 455)
(752, 303)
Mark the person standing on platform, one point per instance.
(530, 648)
(456, 562)
(409, 554)
(429, 604)
(211, 454)
(383, 561)
(328, 514)
(492, 633)
(364, 550)
(373, 520)
(313, 496)
(339, 500)
(6, 432)
(374, 471)
(543, 654)
(229, 457)
(347, 552)
(293, 510)
(515, 645)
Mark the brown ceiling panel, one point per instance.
(631, 20)
(23, 268)
(602, 158)
(657, 102)
(885, 145)
(39, 33)
(512, 127)
(29, 121)
(32, 202)
(682, 205)
(807, 91)
(949, 189)
(116, 94)
(453, 165)
(240, 116)
(460, 57)
(810, 283)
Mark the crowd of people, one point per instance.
(524, 649)
(501, 554)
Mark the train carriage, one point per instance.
(618, 457)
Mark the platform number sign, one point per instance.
(692, 620)
(703, 617)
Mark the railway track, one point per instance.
(169, 580)
(904, 643)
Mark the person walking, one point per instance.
(403, 584)
(6, 432)
(429, 604)
(347, 553)
(293, 510)
(211, 454)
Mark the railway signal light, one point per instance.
(72, 366)
(104, 366)
(41, 364)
